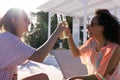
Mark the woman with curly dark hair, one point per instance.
(101, 52)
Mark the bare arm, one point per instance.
(72, 45)
(43, 50)
(113, 62)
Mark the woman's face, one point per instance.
(94, 29)
(21, 23)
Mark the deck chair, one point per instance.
(69, 65)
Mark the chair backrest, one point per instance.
(69, 65)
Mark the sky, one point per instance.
(27, 5)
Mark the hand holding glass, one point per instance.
(61, 19)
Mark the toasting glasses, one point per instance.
(62, 18)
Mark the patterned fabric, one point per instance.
(13, 52)
(98, 61)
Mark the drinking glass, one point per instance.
(62, 18)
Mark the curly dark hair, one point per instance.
(110, 23)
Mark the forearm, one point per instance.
(73, 47)
(43, 50)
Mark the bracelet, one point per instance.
(100, 75)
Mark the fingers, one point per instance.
(63, 27)
(64, 24)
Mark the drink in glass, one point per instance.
(62, 18)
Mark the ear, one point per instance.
(102, 28)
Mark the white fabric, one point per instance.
(13, 52)
(33, 68)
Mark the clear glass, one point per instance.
(62, 18)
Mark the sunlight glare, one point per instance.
(27, 5)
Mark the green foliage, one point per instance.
(38, 37)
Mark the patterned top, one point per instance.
(98, 61)
(13, 52)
